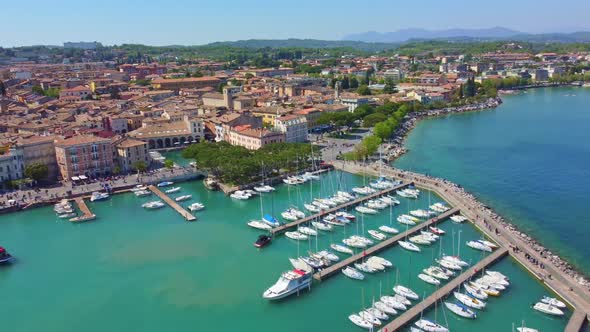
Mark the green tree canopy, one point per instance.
(37, 171)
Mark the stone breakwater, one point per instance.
(396, 148)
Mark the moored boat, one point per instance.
(353, 273)
(262, 241)
(430, 326)
(469, 301)
(360, 322)
(5, 257)
(428, 279)
(405, 292)
(548, 309)
(409, 246)
(296, 236)
(461, 310)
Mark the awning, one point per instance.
(75, 178)
(83, 177)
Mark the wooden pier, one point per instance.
(173, 204)
(576, 322)
(86, 213)
(406, 317)
(331, 270)
(347, 205)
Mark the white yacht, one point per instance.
(430, 326)
(381, 261)
(448, 264)
(287, 215)
(409, 246)
(290, 282)
(98, 196)
(172, 190)
(376, 204)
(341, 248)
(388, 229)
(142, 193)
(428, 279)
(385, 308)
(436, 230)
(311, 208)
(365, 210)
(469, 301)
(360, 322)
(455, 259)
(165, 184)
(377, 313)
(419, 239)
(553, 301)
(322, 226)
(436, 272)
(352, 273)
(183, 198)
(393, 302)
(153, 205)
(478, 294)
(264, 188)
(363, 190)
(548, 309)
(307, 231)
(420, 213)
(296, 236)
(196, 207)
(370, 318)
(259, 225)
(478, 245)
(240, 195)
(375, 265)
(354, 243)
(405, 292)
(458, 218)
(321, 205)
(389, 200)
(461, 310)
(365, 267)
(377, 235)
(345, 215)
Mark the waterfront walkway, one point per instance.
(86, 213)
(331, 270)
(405, 318)
(173, 204)
(575, 293)
(347, 205)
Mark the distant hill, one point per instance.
(307, 43)
(495, 33)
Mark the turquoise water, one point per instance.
(138, 270)
(528, 159)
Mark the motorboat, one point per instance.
(363, 190)
(478, 246)
(142, 193)
(461, 310)
(377, 235)
(292, 180)
(322, 226)
(153, 205)
(165, 184)
(346, 215)
(194, 207)
(389, 200)
(388, 229)
(497, 275)
(469, 301)
(365, 210)
(183, 198)
(353, 273)
(321, 205)
(406, 194)
(377, 313)
(346, 194)
(370, 318)
(289, 283)
(5, 257)
(436, 230)
(341, 248)
(430, 326)
(264, 188)
(362, 239)
(376, 204)
(405, 292)
(355, 243)
(315, 262)
(438, 207)
(66, 215)
(385, 308)
(259, 225)
(436, 272)
(393, 199)
(455, 259)
(307, 231)
(364, 267)
(428, 279)
(172, 190)
(484, 288)
(360, 322)
(553, 301)
(381, 184)
(548, 309)
(478, 294)
(491, 282)
(393, 302)
(328, 255)
(287, 215)
(381, 261)
(311, 208)
(409, 246)
(271, 221)
(407, 220)
(526, 329)
(448, 264)
(489, 244)
(420, 213)
(98, 196)
(332, 220)
(262, 241)
(419, 239)
(375, 265)
(296, 236)
(310, 176)
(240, 195)
(458, 218)
(430, 236)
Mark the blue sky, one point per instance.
(166, 22)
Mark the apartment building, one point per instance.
(129, 152)
(293, 126)
(253, 139)
(84, 155)
(186, 83)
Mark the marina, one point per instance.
(86, 213)
(173, 204)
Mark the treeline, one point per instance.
(237, 165)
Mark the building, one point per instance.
(353, 103)
(270, 113)
(228, 99)
(84, 155)
(311, 115)
(253, 139)
(394, 74)
(12, 165)
(186, 83)
(129, 152)
(541, 75)
(270, 72)
(78, 93)
(293, 126)
(165, 134)
(39, 150)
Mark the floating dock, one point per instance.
(173, 204)
(86, 213)
(331, 270)
(406, 317)
(576, 322)
(347, 205)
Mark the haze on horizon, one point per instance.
(185, 22)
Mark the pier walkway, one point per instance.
(86, 213)
(576, 322)
(173, 204)
(331, 270)
(347, 205)
(415, 311)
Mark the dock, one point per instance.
(576, 322)
(86, 213)
(173, 204)
(333, 269)
(346, 205)
(406, 317)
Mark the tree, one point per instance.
(36, 171)
(2, 88)
(168, 163)
(345, 83)
(372, 119)
(389, 86)
(140, 166)
(38, 90)
(117, 170)
(354, 82)
(364, 90)
(383, 130)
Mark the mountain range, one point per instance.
(494, 33)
